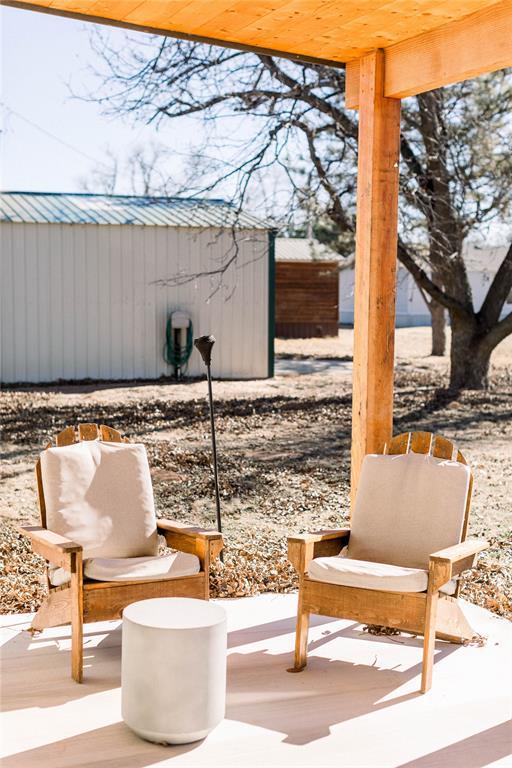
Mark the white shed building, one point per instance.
(90, 281)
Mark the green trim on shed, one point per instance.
(271, 299)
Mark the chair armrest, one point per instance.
(302, 548)
(52, 546)
(449, 562)
(206, 545)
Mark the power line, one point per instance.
(53, 136)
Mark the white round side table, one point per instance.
(173, 676)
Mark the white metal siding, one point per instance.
(80, 301)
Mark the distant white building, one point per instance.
(482, 264)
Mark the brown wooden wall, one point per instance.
(306, 299)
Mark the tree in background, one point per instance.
(144, 167)
(456, 164)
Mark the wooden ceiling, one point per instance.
(427, 43)
(327, 30)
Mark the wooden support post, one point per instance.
(375, 270)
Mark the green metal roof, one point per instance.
(61, 208)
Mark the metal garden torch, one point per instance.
(204, 345)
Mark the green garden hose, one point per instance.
(178, 355)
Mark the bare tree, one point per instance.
(456, 167)
(145, 171)
(103, 177)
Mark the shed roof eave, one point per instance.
(124, 210)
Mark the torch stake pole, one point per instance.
(214, 451)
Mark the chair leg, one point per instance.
(77, 618)
(301, 636)
(429, 641)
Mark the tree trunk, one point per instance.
(469, 355)
(438, 315)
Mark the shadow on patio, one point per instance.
(354, 685)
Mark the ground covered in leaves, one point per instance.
(284, 449)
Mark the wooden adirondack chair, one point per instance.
(388, 573)
(76, 598)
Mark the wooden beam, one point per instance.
(472, 46)
(375, 268)
(477, 44)
(352, 84)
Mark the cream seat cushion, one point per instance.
(172, 566)
(368, 575)
(407, 507)
(100, 495)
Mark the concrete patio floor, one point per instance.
(356, 704)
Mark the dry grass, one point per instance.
(284, 464)
(412, 347)
(260, 568)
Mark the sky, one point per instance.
(52, 141)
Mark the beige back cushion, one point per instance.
(100, 495)
(407, 507)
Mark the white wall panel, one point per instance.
(411, 308)
(81, 301)
(7, 313)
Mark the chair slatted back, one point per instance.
(437, 446)
(69, 436)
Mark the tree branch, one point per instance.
(497, 294)
(423, 280)
(497, 333)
